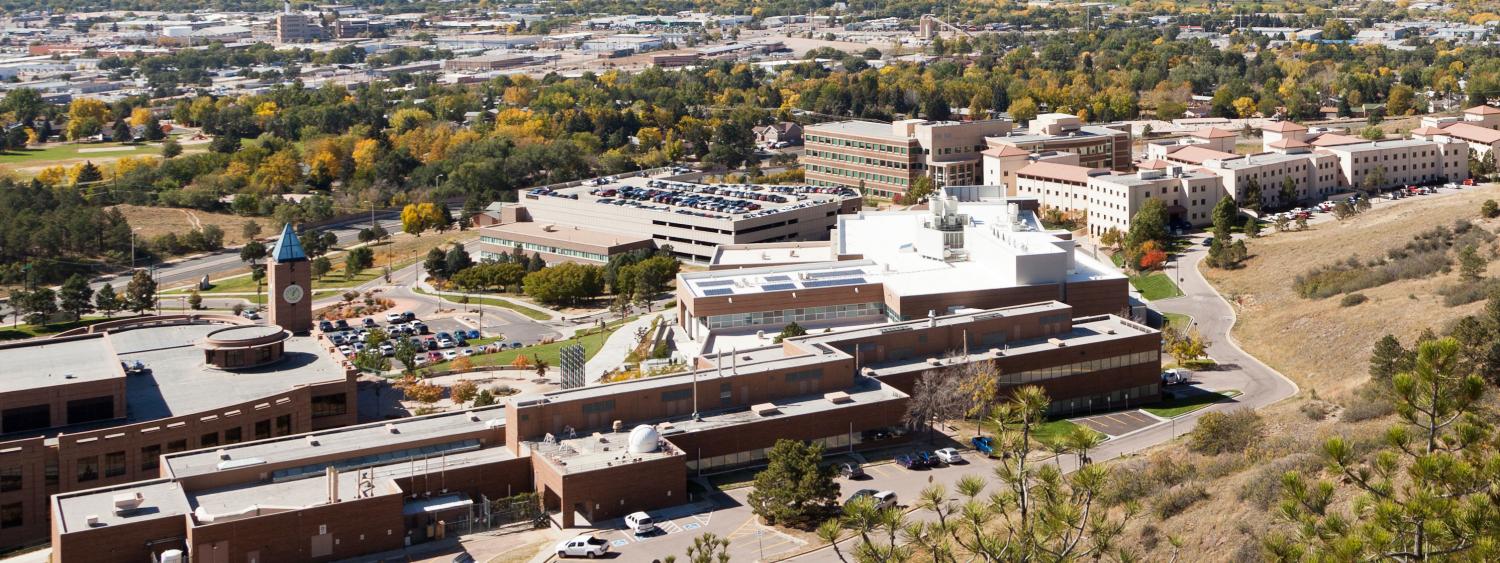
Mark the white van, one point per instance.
(640, 523)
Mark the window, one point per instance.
(21, 419)
(10, 478)
(88, 468)
(329, 405)
(262, 429)
(284, 425)
(175, 446)
(232, 436)
(209, 440)
(151, 458)
(601, 406)
(90, 410)
(10, 515)
(114, 464)
(676, 395)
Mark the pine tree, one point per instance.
(1388, 359)
(75, 297)
(106, 301)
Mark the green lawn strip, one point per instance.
(22, 331)
(547, 352)
(1177, 321)
(244, 283)
(1176, 407)
(1155, 286)
(502, 303)
(1050, 432)
(69, 151)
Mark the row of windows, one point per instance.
(37, 417)
(88, 468)
(842, 441)
(557, 250)
(870, 176)
(1080, 368)
(797, 315)
(1113, 400)
(893, 149)
(832, 155)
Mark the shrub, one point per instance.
(1490, 209)
(1177, 499)
(1142, 479)
(463, 391)
(1263, 489)
(1370, 401)
(462, 363)
(1316, 410)
(1465, 293)
(1219, 432)
(1353, 299)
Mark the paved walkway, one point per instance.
(619, 345)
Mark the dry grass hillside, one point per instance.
(157, 221)
(1222, 506)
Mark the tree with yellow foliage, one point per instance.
(1244, 106)
(365, 153)
(139, 116)
(406, 119)
(54, 175)
(417, 218)
(277, 173)
(86, 117)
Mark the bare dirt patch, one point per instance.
(157, 221)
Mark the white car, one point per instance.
(252, 315)
(949, 456)
(1175, 376)
(394, 317)
(449, 354)
(467, 352)
(583, 546)
(346, 350)
(640, 523)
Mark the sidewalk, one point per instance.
(619, 345)
(427, 287)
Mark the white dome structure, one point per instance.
(643, 439)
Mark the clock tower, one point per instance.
(291, 284)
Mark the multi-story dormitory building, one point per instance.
(100, 406)
(593, 453)
(1192, 174)
(886, 159)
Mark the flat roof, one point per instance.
(159, 499)
(773, 253)
(1087, 330)
(178, 382)
(1082, 132)
(859, 128)
(572, 234)
(43, 363)
(1197, 154)
(1386, 144)
(1059, 171)
(1135, 179)
(348, 440)
(749, 281)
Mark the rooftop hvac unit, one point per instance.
(92, 520)
(493, 424)
(128, 501)
(312, 440)
(765, 409)
(837, 397)
(1058, 342)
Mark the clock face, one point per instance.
(292, 293)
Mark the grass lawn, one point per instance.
(1155, 286)
(1177, 321)
(71, 151)
(23, 331)
(1176, 407)
(1049, 432)
(517, 307)
(592, 342)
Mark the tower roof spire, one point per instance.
(288, 248)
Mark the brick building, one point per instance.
(592, 453)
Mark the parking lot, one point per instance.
(1118, 423)
(439, 339)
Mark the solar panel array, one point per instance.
(778, 278)
(718, 292)
(835, 274)
(715, 283)
(833, 283)
(778, 287)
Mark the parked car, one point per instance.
(483, 349)
(346, 350)
(640, 523)
(949, 456)
(430, 344)
(252, 315)
(394, 317)
(1175, 376)
(449, 355)
(420, 326)
(851, 470)
(881, 499)
(387, 350)
(583, 546)
(926, 458)
(983, 444)
(341, 324)
(905, 460)
(368, 323)
(325, 326)
(515, 344)
(466, 352)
